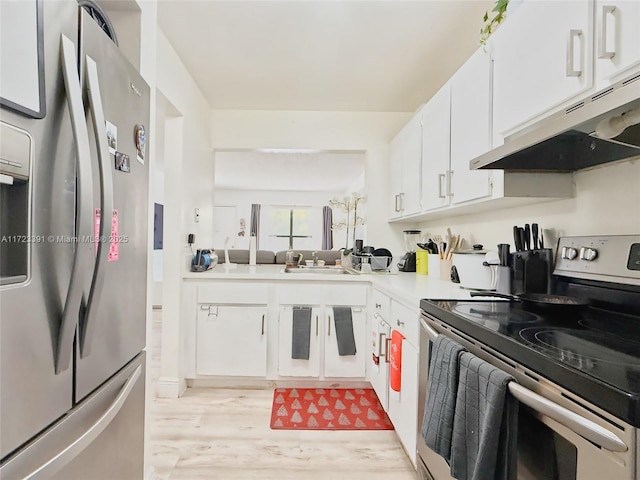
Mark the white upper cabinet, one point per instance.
(436, 126)
(470, 127)
(617, 40)
(543, 55)
(406, 150)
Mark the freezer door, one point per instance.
(113, 329)
(102, 438)
(32, 395)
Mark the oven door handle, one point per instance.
(577, 423)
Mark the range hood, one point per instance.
(576, 137)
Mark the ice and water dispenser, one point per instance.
(16, 152)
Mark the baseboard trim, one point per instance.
(263, 384)
(171, 387)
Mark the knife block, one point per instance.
(532, 271)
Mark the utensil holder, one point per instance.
(445, 269)
(433, 265)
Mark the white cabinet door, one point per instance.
(543, 56)
(232, 340)
(470, 127)
(336, 365)
(436, 142)
(411, 164)
(288, 366)
(403, 405)
(617, 40)
(379, 373)
(395, 174)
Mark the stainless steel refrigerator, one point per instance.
(73, 251)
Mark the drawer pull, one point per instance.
(263, 324)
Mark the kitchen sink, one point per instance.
(318, 270)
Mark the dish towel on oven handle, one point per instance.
(395, 360)
(437, 422)
(485, 425)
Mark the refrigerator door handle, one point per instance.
(106, 205)
(81, 263)
(78, 445)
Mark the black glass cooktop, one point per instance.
(594, 353)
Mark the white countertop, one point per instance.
(409, 288)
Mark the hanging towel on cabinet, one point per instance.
(301, 333)
(344, 331)
(395, 354)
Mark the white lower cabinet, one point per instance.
(403, 405)
(323, 346)
(231, 340)
(336, 365)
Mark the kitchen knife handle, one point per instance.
(534, 232)
(527, 237)
(522, 238)
(516, 239)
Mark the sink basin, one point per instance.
(324, 270)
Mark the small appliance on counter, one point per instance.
(476, 268)
(203, 260)
(408, 261)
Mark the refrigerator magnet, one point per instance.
(122, 162)
(112, 137)
(140, 139)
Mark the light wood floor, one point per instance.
(212, 433)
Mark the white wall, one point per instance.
(366, 131)
(606, 201)
(188, 172)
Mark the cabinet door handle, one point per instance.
(449, 177)
(262, 324)
(397, 206)
(387, 342)
(571, 70)
(329, 326)
(382, 338)
(440, 179)
(316, 325)
(378, 305)
(400, 324)
(607, 10)
(402, 201)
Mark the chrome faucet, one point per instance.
(314, 256)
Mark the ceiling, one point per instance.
(331, 55)
(288, 171)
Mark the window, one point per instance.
(284, 226)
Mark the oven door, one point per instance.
(547, 449)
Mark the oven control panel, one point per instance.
(612, 258)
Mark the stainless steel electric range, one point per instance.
(577, 369)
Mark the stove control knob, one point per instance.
(589, 254)
(569, 253)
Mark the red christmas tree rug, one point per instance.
(328, 409)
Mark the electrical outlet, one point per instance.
(197, 214)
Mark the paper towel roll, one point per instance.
(252, 250)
